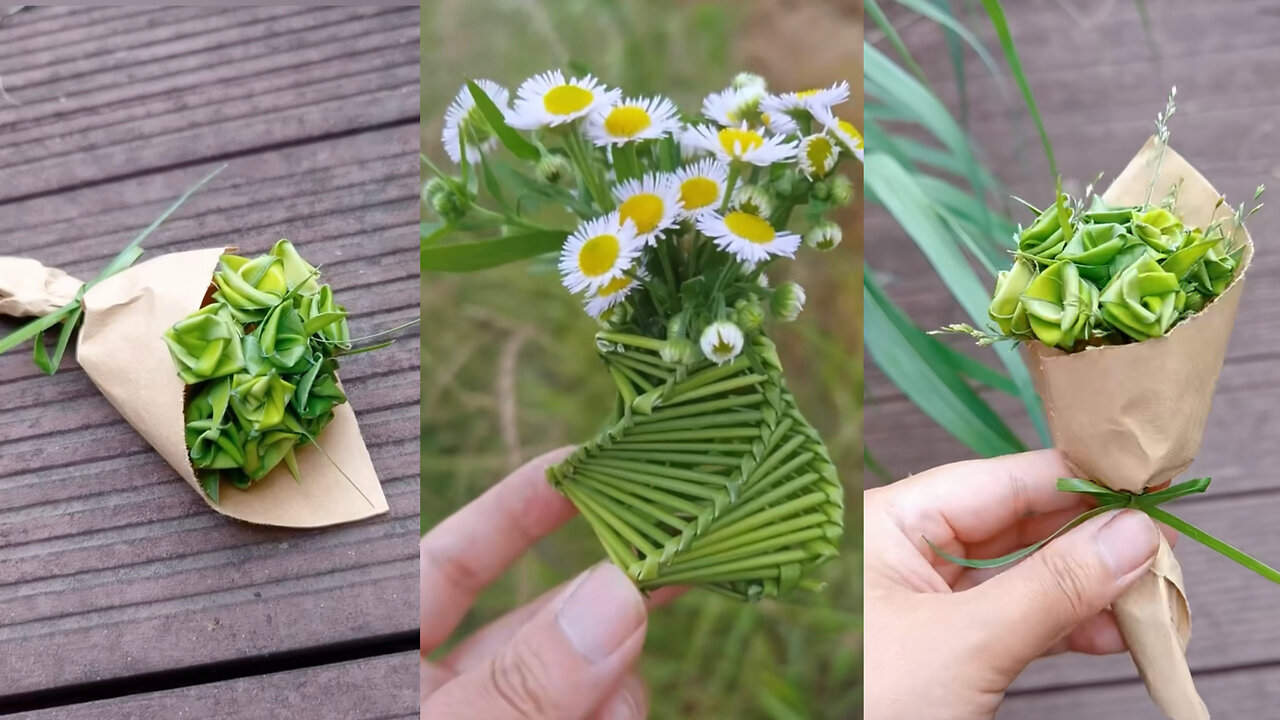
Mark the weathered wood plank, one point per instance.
(110, 566)
(377, 688)
(1238, 693)
(271, 76)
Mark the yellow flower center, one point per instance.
(615, 286)
(751, 228)
(566, 99)
(598, 255)
(644, 210)
(627, 121)
(818, 152)
(742, 140)
(698, 192)
(721, 347)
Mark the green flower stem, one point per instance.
(707, 447)
(650, 468)
(760, 519)
(624, 387)
(648, 508)
(774, 458)
(677, 457)
(762, 485)
(681, 486)
(639, 341)
(633, 528)
(664, 252)
(625, 162)
(715, 434)
(703, 407)
(721, 571)
(711, 374)
(642, 490)
(1148, 503)
(687, 560)
(700, 548)
(616, 549)
(716, 388)
(637, 365)
(580, 154)
(735, 172)
(736, 419)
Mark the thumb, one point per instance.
(560, 666)
(1026, 610)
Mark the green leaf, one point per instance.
(928, 378)
(1001, 24)
(954, 27)
(472, 256)
(891, 34)
(510, 139)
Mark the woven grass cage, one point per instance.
(707, 475)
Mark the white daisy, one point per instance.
(812, 101)
(464, 117)
(689, 149)
(742, 144)
(749, 238)
(721, 341)
(613, 292)
(733, 106)
(651, 204)
(818, 155)
(843, 131)
(597, 253)
(633, 119)
(548, 100)
(701, 187)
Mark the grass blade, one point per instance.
(1001, 24)
(485, 254)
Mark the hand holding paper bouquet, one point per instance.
(226, 365)
(1125, 305)
(706, 473)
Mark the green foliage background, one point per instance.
(510, 370)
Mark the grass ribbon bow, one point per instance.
(1148, 503)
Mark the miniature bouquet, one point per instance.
(1125, 306)
(225, 365)
(707, 473)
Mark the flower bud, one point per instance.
(678, 351)
(749, 81)
(748, 314)
(450, 205)
(752, 199)
(821, 190)
(433, 187)
(553, 168)
(840, 190)
(826, 235)
(721, 341)
(788, 301)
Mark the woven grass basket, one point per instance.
(707, 475)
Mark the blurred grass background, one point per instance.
(510, 370)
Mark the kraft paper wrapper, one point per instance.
(1132, 417)
(29, 289)
(121, 348)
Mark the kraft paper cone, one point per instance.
(29, 289)
(122, 349)
(1132, 417)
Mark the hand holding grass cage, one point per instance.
(706, 474)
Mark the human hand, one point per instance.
(944, 642)
(566, 655)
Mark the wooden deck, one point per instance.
(1099, 89)
(121, 594)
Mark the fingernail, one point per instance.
(1127, 541)
(601, 612)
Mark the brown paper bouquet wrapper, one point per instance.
(121, 348)
(1131, 417)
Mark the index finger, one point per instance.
(979, 499)
(475, 545)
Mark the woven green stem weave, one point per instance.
(708, 475)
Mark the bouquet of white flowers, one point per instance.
(706, 473)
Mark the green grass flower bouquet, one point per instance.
(706, 472)
(1125, 305)
(226, 365)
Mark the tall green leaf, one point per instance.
(1001, 24)
(485, 254)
